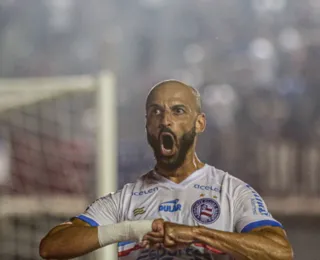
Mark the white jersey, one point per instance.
(208, 197)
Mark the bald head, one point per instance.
(176, 88)
(173, 122)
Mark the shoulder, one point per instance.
(228, 182)
(143, 182)
(219, 175)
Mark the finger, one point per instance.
(157, 224)
(144, 243)
(168, 242)
(160, 229)
(154, 239)
(155, 234)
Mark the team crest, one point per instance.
(206, 211)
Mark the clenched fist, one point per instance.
(169, 235)
(175, 234)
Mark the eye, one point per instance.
(179, 110)
(156, 111)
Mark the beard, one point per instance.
(175, 161)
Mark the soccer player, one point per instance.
(183, 208)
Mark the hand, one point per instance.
(177, 236)
(170, 235)
(158, 226)
(154, 239)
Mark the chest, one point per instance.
(197, 205)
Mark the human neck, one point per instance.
(190, 165)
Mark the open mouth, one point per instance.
(167, 144)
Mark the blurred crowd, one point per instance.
(254, 62)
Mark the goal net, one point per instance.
(48, 157)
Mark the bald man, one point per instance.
(182, 208)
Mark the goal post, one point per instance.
(58, 152)
(107, 153)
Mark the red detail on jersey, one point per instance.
(128, 251)
(207, 211)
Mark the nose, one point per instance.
(166, 120)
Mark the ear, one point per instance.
(146, 120)
(201, 123)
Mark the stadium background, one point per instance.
(255, 62)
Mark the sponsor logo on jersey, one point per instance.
(206, 210)
(204, 187)
(139, 211)
(170, 206)
(144, 192)
(257, 203)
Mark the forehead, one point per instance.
(170, 94)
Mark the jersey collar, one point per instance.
(182, 184)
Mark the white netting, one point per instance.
(46, 158)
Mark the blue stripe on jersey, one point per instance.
(90, 221)
(260, 223)
(125, 243)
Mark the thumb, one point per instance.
(157, 226)
(168, 241)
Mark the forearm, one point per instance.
(69, 242)
(246, 246)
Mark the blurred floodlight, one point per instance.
(290, 39)
(269, 5)
(60, 18)
(193, 54)
(192, 77)
(222, 103)
(262, 49)
(222, 94)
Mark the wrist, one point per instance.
(123, 231)
(196, 232)
(138, 228)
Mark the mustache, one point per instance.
(167, 130)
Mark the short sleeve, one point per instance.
(250, 211)
(102, 211)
